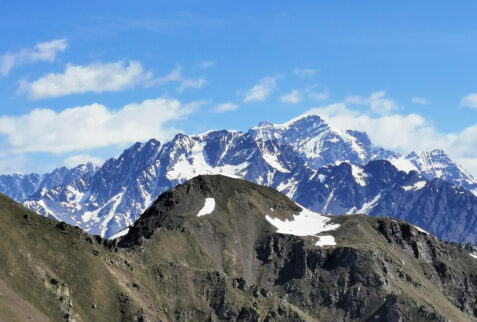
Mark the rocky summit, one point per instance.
(219, 249)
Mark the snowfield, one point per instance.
(306, 223)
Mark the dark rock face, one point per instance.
(442, 264)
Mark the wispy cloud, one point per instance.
(419, 100)
(192, 83)
(293, 97)
(377, 101)
(305, 71)
(206, 64)
(176, 76)
(225, 107)
(92, 126)
(469, 101)
(296, 96)
(45, 51)
(319, 96)
(262, 89)
(96, 77)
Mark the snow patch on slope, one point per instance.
(272, 161)
(306, 223)
(417, 186)
(359, 175)
(208, 207)
(189, 165)
(421, 230)
(120, 233)
(326, 240)
(368, 206)
(116, 202)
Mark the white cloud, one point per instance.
(294, 97)
(192, 83)
(405, 133)
(45, 51)
(419, 100)
(469, 101)
(261, 90)
(225, 107)
(206, 64)
(97, 78)
(91, 126)
(321, 96)
(377, 101)
(78, 159)
(176, 76)
(305, 71)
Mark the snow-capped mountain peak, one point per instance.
(436, 164)
(326, 169)
(319, 143)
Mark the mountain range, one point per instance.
(242, 252)
(325, 169)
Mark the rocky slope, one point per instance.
(290, 157)
(379, 189)
(241, 252)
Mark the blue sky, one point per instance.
(83, 81)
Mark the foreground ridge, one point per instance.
(232, 263)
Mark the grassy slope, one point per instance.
(50, 267)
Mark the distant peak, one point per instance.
(307, 117)
(412, 155)
(437, 152)
(265, 124)
(86, 165)
(153, 142)
(179, 136)
(427, 154)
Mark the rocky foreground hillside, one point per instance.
(220, 249)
